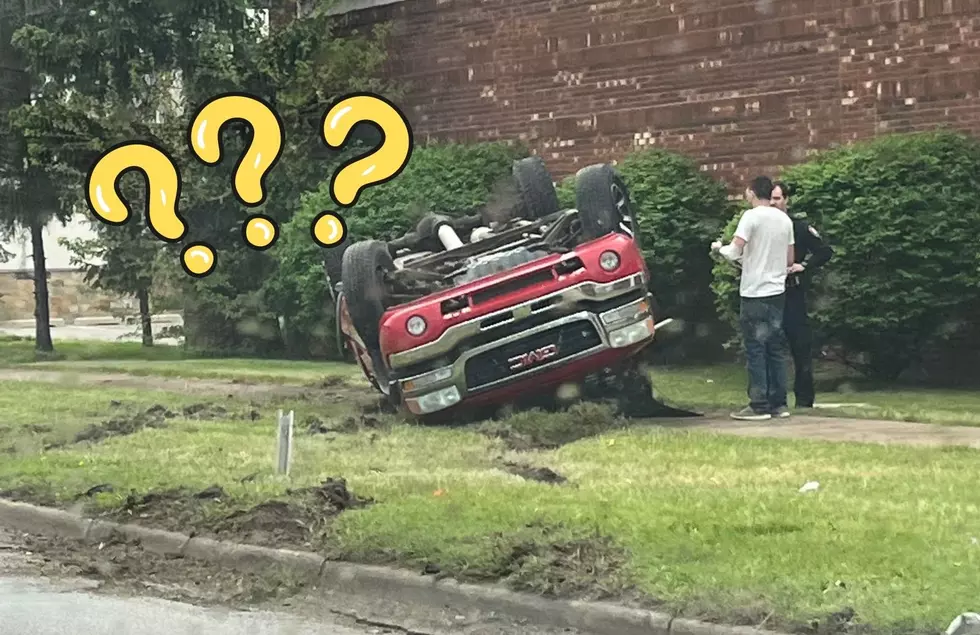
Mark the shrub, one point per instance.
(903, 216)
(446, 178)
(680, 210)
(725, 282)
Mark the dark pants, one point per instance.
(797, 327)
(761, 320)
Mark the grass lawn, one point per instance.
(708, 525)
(163, 361)
(711, 388)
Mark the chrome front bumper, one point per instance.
(487, 323)
(444, 387)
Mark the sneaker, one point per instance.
(748, 414)
(781, 412)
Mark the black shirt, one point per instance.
(811, 251)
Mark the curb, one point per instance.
(595, 618)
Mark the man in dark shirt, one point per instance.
(811, 253)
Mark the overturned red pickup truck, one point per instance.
(539, 298)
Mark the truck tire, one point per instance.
(365, 266)
(603, 202)
(537, 197)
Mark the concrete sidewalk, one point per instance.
(102, 329)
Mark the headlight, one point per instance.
(624, 313)
(631, 334)
(609, 260)
(416, 325)
(421, 381)
(434, 401)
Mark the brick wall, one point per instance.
(742, 86)
(69, 296)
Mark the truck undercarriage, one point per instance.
(539, 298)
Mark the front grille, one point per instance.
(493, 365)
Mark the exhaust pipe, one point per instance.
(448, 237)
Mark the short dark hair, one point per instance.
(785, 189)
(762, 187)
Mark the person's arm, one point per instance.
(743, 232)
(733, 250)
(820, 252)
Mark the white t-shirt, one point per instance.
(768, 235)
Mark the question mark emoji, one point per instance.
(380, 166)
(328, 229)
(162, 195)
(204, 138)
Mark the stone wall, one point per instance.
(70, 297)
(744, 86)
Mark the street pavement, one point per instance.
(32, 604)
(36, 606)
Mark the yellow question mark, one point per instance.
(380, 166)
(162, 195)
(204, 138)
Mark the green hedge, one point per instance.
(903, 216)
(442, 178)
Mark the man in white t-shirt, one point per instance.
(763, 245)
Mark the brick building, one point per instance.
(743, 86)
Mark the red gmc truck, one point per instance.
(505, 304)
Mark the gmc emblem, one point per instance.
(538, 355)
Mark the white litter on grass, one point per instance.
(965, 624)
(809, 486)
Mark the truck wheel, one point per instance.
(535, 188)
(603, 202)
(364, 270)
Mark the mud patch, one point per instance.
(330, 382)
(298, 520)
(125, 566)
(178, 509)
(122, 425)
(586, 568)
(539, 474)
(212, 412)
(539, 430)
(347, 425)
(35, 494)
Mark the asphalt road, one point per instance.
(33, 604)
(36, 606)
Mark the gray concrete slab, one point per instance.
(37, 606)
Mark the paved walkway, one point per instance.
(840, 429)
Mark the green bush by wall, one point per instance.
(903, 216)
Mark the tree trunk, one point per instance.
(42, 312)
(143, 295)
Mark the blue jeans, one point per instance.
(766, 351)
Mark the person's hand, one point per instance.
(796, 268)
(715, 246)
